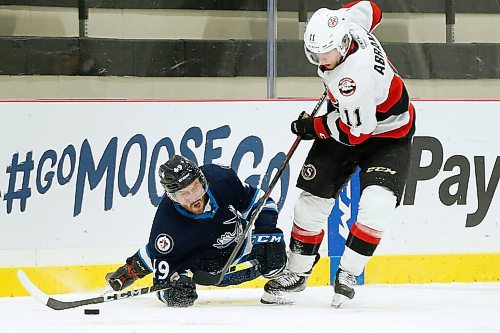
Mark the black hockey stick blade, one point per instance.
(55, 304)
(214, 278)
(207, 278)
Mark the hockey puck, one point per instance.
(91, 311)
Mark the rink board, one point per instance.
(80, 199)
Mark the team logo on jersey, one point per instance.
(332, 21)
(164, 243)
(228, 237)
(347, 86)
(308, 171)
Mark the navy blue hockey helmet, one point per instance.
(177, 173)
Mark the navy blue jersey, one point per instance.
(180, 240)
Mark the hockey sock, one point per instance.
(304, 248)
(360, 246)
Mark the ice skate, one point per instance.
(343, 287)
(283, 288)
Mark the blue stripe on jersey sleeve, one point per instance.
(252, 202)
(144, 252)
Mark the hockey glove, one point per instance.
(268, 247)
(126, 274)
(182, 293)
(309, 128)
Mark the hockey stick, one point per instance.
(214, 278)
(63, 305)
(55, 304)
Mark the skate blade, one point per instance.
(281, 299)
(338, 300)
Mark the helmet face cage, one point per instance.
(179, 172)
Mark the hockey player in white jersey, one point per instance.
(369, 124)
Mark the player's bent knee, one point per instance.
(376, 207)
(311, 212)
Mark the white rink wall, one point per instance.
(78, 179)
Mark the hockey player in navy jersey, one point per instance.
(369, 124)
(196, 226)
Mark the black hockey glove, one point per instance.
(309, 128)
(182, 293)
(126, 275)
(304, 126)
(268, 247)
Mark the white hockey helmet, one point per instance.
(326, 30)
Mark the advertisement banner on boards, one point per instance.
(450, 204)
(78, 179)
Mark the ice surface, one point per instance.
(454, 308)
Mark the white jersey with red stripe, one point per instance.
(369, 96)
(365, 14)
